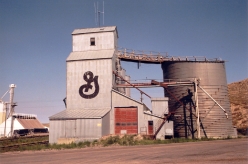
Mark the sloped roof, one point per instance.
(80, 113)
(29, 123)
(86, 55)
(95, 30)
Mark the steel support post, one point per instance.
(191, 121)
(6, 115)
(185, 122)
(11, 107)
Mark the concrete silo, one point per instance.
(212, 77)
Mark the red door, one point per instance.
(150, 127)
(126, 120)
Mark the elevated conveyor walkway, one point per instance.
(157, 57)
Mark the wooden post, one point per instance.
(197, 111)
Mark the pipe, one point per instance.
(131, 84)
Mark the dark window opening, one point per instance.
(92, 42)
(150, 123)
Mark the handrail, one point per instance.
(157, 57)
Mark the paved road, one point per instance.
(221, 151)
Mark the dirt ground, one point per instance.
(218, 151)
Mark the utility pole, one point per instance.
(11, 106)
(6, 115)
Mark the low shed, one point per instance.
(79, 125)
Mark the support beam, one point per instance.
(213, 100)
(197, 112)
(131, 84)
(11, 106)
(6, 113)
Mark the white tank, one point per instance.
(2, 112)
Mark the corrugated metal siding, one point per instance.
(75, 72)
(30, 123)
(70, 128)
(213, 80)
(80, 129)
(103, 41)
(160, 106)
(56, 130)
(89, 129)
(106, 124)
(86, 55)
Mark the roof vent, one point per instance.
(101, 28)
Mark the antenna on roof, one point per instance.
(103, 12)
(97, 13)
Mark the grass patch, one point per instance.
(126, 140)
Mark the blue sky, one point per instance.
(35, 40)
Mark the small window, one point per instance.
(150, 123)
(92, 42)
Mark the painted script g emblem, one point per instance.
(85, 88)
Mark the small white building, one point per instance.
(20, 121)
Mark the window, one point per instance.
(92, 42)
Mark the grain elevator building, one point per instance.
(94, 106)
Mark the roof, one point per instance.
(86, 55)
(80, 113)
(29, 123)
(95, 30)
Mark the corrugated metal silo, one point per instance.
(213, 80)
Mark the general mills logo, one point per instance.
(88, 77)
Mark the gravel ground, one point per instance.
(219, 151)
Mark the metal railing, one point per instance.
(158, 57)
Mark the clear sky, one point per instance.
(35, 40)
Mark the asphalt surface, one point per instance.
(234, 151)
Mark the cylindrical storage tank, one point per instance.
(213, 79)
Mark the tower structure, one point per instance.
(89, 68)
(89, 85)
